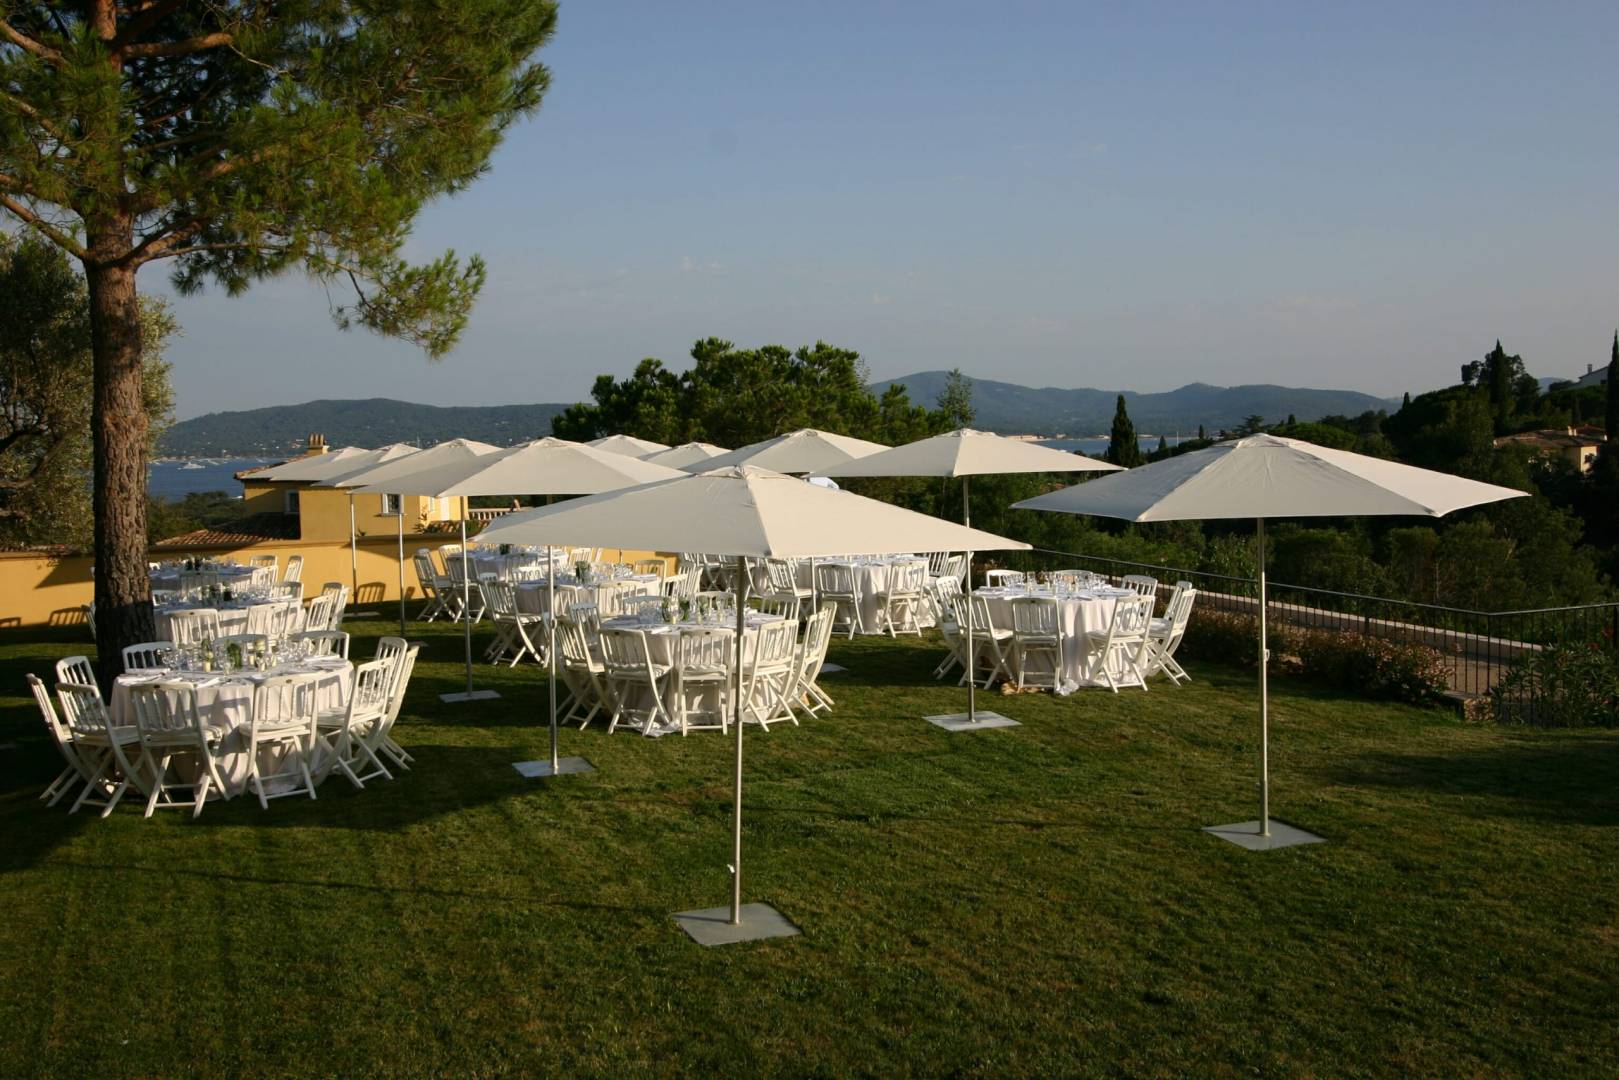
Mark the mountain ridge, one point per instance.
(1001, 406)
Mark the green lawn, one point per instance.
(1031, 900)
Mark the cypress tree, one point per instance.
(1201, 437)
(1123, 447)
(1610, 419)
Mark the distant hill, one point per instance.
(1014, 409)
(282, 429)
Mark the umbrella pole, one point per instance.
(1264, 687)
(551, 648)
(354, 555)
(401, 566)
(972, 664)
(736, 708)
(466, 621)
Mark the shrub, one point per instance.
(1570, 684)
(1226, 638)
(1360, 665)
(1374, 667)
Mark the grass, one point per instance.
(1032, 900)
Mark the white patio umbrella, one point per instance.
(318, 468)
(686, 454)
(299, 467)
(804, 451)
(966, 453)
(389, 475)
(543, 467)
(628, 445)
(744, 512)
(1259, 477)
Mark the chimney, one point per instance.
(317, 445)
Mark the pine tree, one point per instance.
(955, 404)
(1200, 435)
(242, 140)
(1122, 447)
(1407, 400)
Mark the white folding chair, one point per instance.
(146, 656)
(263, 562)
(169, 723)
(192, 626)
(806, 691)
(630, 669)
(781, 583)
(899, 604)
(293, 572)
(380, 737)
(512, 641)
(433, 585)
(783, 607)
(318, 614)
(1002, 578)
(79, 769)
(1120, 651)
(1036, 629)
(100, 745)
(989, 644)
(283, 721)
(768, 673)
(325, 642)
(1164, 634)
(703, 658)
(1142, 585)
(340, 734)
(835, 584)
(583, 674)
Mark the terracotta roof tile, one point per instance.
(252, 529)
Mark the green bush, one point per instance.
(1363, 666)
(1373, 667)
(1570, 684)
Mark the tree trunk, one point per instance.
(118, 423)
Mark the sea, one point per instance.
(175, 480)
(1096, 446)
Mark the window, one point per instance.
(391, 504)
(290, 503)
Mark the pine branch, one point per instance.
(146, 16)
(29, 45)
(45, 228)
(188, 47)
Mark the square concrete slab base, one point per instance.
(1246, 834)
(470, 695)
(712, 926)
(981, 721)
(831, 669)
(565, 765)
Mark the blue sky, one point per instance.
(1129, 196)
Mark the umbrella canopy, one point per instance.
(316, 466)
(1266, 476)
(804, 451)
(686, 454)
(543, 467)
(628, 445)
(740, 510)
(444, 453)
(965, 452)
(1259, 477)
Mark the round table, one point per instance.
(661, 641)
(168, 578)
(225, 703)
(1079, 614)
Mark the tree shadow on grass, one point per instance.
(1562, 779)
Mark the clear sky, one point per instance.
(1130, 196)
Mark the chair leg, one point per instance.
(161, 770)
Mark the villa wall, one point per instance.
(41, 589)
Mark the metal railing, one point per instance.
(484, 515)
(1478, 647)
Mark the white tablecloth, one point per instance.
(1079, 615)
(226, 702)
(232, 617)
(502, 566)
(607, 595)
(871, 577)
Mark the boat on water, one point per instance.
(191, 465)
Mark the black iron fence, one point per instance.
(1478, 646)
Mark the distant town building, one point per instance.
(1576, 445)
